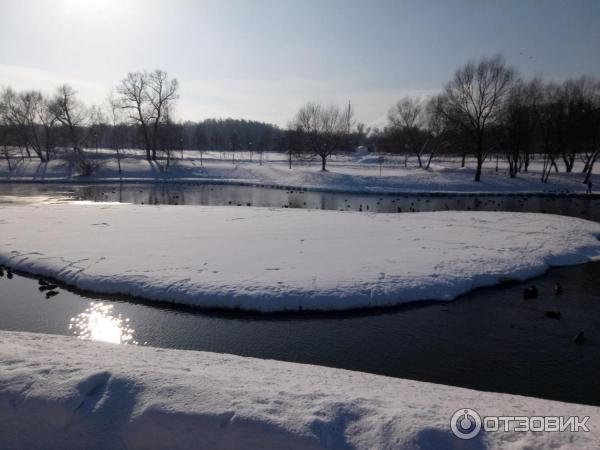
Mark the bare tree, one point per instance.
(323, 129)
(437, 128)
(475, 97)
(551, 120)
(118, 131)
(592, 153)
(71, 114)
(408, 118)
(162, 94)
(133, 94)
(47, 120)
(5, 151)
(520, 124)
(13, 115)
(147, 96)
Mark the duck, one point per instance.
(51, 294)
(47, 287)
(558, 289)
(530, 292)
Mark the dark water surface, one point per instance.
(490, 339)
(584, 206)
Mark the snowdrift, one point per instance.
(277, 259)
(61, 392)
(344, 174)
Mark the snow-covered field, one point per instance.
(60, 392)
(345, 173)
(281, 259)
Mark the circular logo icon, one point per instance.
(465, 423)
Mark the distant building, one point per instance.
(363, 150)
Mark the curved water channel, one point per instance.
(577, 205)
(491, 339)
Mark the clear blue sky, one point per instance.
(262, 59)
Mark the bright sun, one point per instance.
(91, 7)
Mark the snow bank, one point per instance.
(60, 392)
(282, 259)
(345, 174)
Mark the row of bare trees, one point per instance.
(39, 124)
(487, 110)
(138, 114)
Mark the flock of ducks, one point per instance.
(45, 286)
(531, 292)
(48, 288)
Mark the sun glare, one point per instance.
(92, 7)
(99, 323)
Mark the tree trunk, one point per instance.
(479, 155)
(7, 158)
(119, 160)
(478, 171)
(429, 161)
(588, 174)
(323, 162)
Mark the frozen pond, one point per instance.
(587, 207)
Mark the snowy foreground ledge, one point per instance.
(60, 392)
(277, 259)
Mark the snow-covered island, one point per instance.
(281, 259)
(60, 392)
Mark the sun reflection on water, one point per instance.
(99, 323)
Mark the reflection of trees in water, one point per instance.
(206, 194)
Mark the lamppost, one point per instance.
(380, 160)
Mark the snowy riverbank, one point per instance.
(345, 174)
(60, 392)
(281, 259)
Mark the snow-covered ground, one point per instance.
(345, 173)
(281, 259)
(61, 392)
